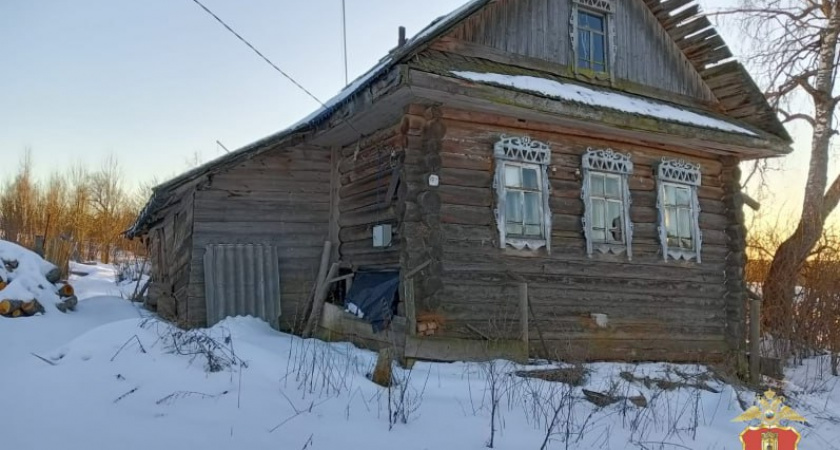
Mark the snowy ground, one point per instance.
(121, 379)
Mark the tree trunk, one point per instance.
(780, 284)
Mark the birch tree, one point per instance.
(795, 47)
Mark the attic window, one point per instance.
(591, 33)
(521, 186)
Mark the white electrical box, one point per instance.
(382, 235)
(434, 180)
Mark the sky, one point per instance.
(157, 83)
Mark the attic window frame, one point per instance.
(523, 153)
(605, 9)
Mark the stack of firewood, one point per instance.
(25, 307)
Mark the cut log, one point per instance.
(65, 291)
(9, 307)
(54, 275)
(31, 308)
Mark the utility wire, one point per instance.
(244, 41)
(344, 39)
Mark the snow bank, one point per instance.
(28, 280)
(604, 99)
(120, 378)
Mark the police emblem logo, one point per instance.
(770, 412)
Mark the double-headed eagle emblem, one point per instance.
(771, 411)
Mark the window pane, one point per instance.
(533, 230)
(668, 193)
(512, 176)
(583, 19)
(532, 208)
(513, 207)
(596, 185)
(599, 235)
(515, 229)
(529, 178)
(598, 48)
(584, 43)
(685, 223)
(682, 196)
(671, 226)
(612, 190)
(595, 21)
(614, 219)
(598, 213)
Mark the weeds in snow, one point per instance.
(217, 352)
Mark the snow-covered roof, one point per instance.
(603, 99)
(162, 193)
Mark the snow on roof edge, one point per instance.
(606, 99)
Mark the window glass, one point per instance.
(512, 176)
(523, 201)
(592, 41)
(529, 178)
(597, 185)
(612, 187)
(681, 197)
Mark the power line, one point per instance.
(244, 41)
(344, 39)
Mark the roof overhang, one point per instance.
(587, 120)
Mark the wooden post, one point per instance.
(523, 311)
(755, 339)
(318, 302)
(410, 309)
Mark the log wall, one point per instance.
(170, 250)
(282, 198)
(656, 309)
(368, 197)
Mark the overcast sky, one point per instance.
(156, 82)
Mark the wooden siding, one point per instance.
(645, 53)
(280, 198)
(365, 173)
(656, 309)
(170, 250)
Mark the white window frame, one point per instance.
(615, 165)
(522, 152)
(605, 8)
(682, 174)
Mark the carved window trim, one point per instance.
(605, 8)
(523, 152)
(681, 174)
(614, 164)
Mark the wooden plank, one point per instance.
(445, 349)
(335, 186)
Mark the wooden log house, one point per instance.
(557, 177)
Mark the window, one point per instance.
(522, 190)
(592, 41)
(591, 33)
(606, 197)
(679, 209)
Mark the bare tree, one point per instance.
(795, 46)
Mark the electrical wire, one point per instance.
(278, 69)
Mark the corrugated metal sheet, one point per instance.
(240, 280)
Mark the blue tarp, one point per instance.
(374, 294)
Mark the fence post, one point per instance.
(523, 312)
(755, 339)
